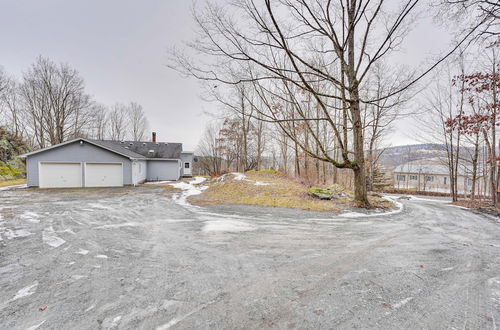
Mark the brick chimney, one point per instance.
(153, 138)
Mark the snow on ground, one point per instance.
(19, 186)
(36, 326)
(398, 209)
(49, 237)
(227, 226)
(415, 198)
(30, 216)
(82, 252)
(26, 291)
(260, 183)
(101, 256)
(188, 189)
(239, 176)
(10, 234)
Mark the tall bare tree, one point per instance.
(55, 101)
(138, 123)
(117, 121)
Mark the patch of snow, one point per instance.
(26, 291)
(82, 252)
(260, 183)
(399, 208)
(109, 323)
(30, 216)
(71, 263)
(188, 189)
(101, 256)
(119, 225)
(402, 303)
(67, 230)
(414, 198)
(49, 237)
(227, 226)
(239, 176)
(10, 234)
(36, 326)
(89, 309)
(178, 319)
(99, 206)
(447, 268)
(18, 186)
(78, 277)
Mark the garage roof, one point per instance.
(129, 149)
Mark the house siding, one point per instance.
(139, 171)
(162, 170)
(187, 158)
(76, 152)
(436, 185)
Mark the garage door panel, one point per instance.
(103, 175)
(60, 175)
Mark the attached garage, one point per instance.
(60, 175)
(104, 163)
(103, 174)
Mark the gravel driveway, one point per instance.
(141, 258)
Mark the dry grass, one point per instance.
(14, 182)
(273, 189)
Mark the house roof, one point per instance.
(129, 149)
(429, 169)
(165, 150)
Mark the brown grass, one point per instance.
(279, 191)
(14, 182)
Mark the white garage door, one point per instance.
(103, 175)
(60, 175)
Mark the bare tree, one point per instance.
(117, 121)
(209, 151)
(480, 15)
(98, 126)
(138, 123)
(281, 45)
(55, 102)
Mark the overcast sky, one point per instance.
(120, 49)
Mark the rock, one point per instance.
(323, 194)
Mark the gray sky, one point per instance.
(120, 49)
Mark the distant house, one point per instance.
(102, 163)
(434, 178)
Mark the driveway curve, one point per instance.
(143, 258)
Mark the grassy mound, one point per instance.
(274, 189)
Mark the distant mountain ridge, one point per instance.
(425, 152)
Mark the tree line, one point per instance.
(462, 108)
(320, 75)
(50, 105)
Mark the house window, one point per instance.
(469, 182)
(186, 165)
(429, 178)
(413, 178)
(140, 167)
(401, 177)
(445, 180)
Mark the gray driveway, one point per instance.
(134, 258)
